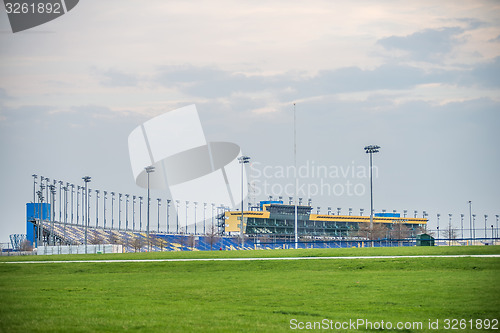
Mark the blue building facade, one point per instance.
(35, 211)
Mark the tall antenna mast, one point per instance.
(296, 176)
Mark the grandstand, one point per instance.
(271, 228)
(58, 234)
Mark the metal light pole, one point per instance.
(204, 219)
(65, 209)
(140, 213)
(89, 202)
(34, 206)
(470, 219)
(66, 201)
(497, 216)
(97, 208)
(462, 225)
(40, 213)
(485, 226)
(86, 179)
(296, 209)
(159, 204)
(149, 169)
(42, 187)
(82, 203)
(450, 229)
(60, 201)
(112, 210)
(438, 215)
(372, 149)
(243, 160)
(213, 208)
(177, 215)
(133, 213)
(168, 215)
(474, 225)
(187, 204)
(195, 206)
(425, 216)
(119, 211)
(34, 193)
(53, 195)
(72, 193)
(126, 211)
(47, 186)
(104, 199)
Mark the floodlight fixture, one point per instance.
(243, 160)
(86, 180)
(149, 169)
(372, 149)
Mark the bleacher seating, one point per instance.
(135, 241)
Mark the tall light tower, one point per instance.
(126, 211)
(77, 203)
(53, 195)
(104, 197)
(470, 219)
(112, 210)
(72, 193)
(97, 208)
(474, 226)
(60, 198)
(243, 160)
(438, 215)
(140, 213)
(450, 229)
(485, 226)
(372, 149)
(195, 205)
(34, 193)
(65, 189)
(497, 216)
(212, 227)
(168, 215)
(187, 205)
(159, 204)
(149, 169)
(462, 225)
(177, 215)
(119, 211)
(82, 203)
(424, 215)
(86, 179)
(204, 219)
(133, 212)
(40, 213)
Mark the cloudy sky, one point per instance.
(421, 79)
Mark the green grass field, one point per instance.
(249, 296)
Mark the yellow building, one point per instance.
(279, 220)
